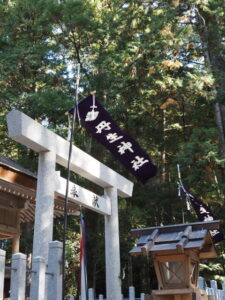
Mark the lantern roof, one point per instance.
(179, 238)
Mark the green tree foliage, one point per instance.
(158, 68)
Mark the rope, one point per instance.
(181, 189)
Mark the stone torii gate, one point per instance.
(54, 149)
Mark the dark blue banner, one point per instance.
(203, 212)
(100, 124)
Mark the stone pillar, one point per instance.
(131, 293)
(37, 288)
(201, 283)
(213, 285)
(90, 294)
(112, 248)
(223, 290)
(43, 224)
(18, 277)
(2, 272)
(54, 272)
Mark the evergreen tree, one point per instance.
(157, 67)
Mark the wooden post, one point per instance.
(37, 291)
(16, 244)
(112, 248)
(2, 272)
(16, 238)
(18, 277)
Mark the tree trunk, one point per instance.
(219, 117)
(212, 47)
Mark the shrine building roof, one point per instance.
(176, 239)
(17, 185)
(11, 164)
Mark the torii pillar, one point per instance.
(112, 249)
(44, 211)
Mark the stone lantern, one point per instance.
(176, 251)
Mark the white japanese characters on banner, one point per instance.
(203, 212)
(100, 124)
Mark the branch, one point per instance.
(77, 55)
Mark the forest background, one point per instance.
(158, 67)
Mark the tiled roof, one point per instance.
(12, 165)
